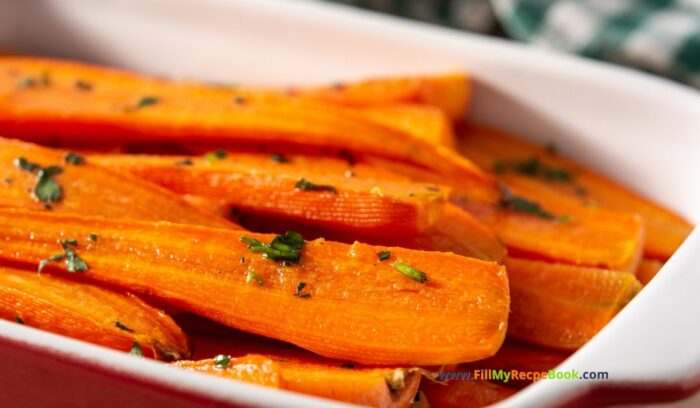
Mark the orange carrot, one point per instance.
(125, 108)
(563, 306)
(515, 158)
(289, 190)
(648, 268)
(85, 188)
(423, 122)
(413, 298)
(89, 313)
(450, 93)
(462, 394)
(377, 387)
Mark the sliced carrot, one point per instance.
(90, 189)
(377, 387)
(577, 235)
(564, 306)
(89, 313)
(455, 311)
(251, 368)
(648, 268)
(124, 108)
(423, 122)
(468, 393)
(489, 147)
(376, 207)
(451, 93)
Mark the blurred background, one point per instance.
(657, 36)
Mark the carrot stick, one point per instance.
(411, 297)
(451, 93)
(291, 190)
(575, 235)
(423, 122)
(648, 268)
(85, 188)
(377, 387)
(470, 393)
(564, 306)
(89, 313)
(125, 108)
(519, 159)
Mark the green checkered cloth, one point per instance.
(658, 36)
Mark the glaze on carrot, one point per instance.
(288, 189)
(563, 306)
(86, 188)
(648, 268)
(125, 108)
(437, 308)
(519, 159)
(89, 313)
(377, 387)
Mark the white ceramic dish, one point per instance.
(640, 130)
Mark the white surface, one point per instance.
(642, 131)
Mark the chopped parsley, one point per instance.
(300, 287)
(285, 247)
(73, 158)
(27, 82)
(147, 101)
(252, 276)
(19, 320)
(279, 158)
(215, 155)
(383, 255)
(239, 100)
(120, 326)
(46, 189)
(184, 162)
(411, 272)
(305, 185)
(533, 167)
(72, 261)
(222, 361)
(93, 237)
(136, 350)
(515, 203)
(83, 85)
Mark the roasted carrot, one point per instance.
(450, 93)
(437, 308)
(465, 394)
(122, 107)
(80, 187)
(289, 190)
(518, 159)
(557, 229)
(377, 387)
(423, 122)
(251, 368)
(648, 268)
(89, 313)
(563, 306)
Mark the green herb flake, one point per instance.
(75, 159)
(26, 82)
(19, 320)
(83, 85)
(279, 158)
(533, 167)
(411, 272)
(72, 260)
(300, 287)
(242, 260)
(285, 247)
(252, 276)
(383, 255)
(93, 237)
(222, 361)
(305, 185)
(184, 162)
(239, 100)
(120, 326)
(147, 101)
(520, 204)
(565, 218)
(215, 155)
(26, 165)
(136, 350)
